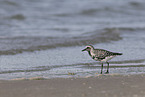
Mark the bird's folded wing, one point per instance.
(103, 54)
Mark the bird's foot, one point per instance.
(107, 72)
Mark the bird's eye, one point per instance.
(88, 47)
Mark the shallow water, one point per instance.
(62, 62)
(45, 38)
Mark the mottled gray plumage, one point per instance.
(101, 55)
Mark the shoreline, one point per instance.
(99, 86)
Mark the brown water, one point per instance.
(45, 38)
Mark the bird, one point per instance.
(101, 55)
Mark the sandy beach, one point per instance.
(100, 86)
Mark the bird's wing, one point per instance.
(101, 54)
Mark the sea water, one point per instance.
(45, 38)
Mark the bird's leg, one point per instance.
(107, 68)
(101, 68)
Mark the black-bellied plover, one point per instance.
(101, 55)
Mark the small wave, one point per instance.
(90, 11)
(31, 78)
(14, 45)
(28, 70)
(10, 3)
(17, 17)
(135, 4)
(125, 29)
(91, 65)
(36, 69)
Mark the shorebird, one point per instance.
(101, 55)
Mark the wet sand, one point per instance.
(100, 86)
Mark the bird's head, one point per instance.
(88, 48)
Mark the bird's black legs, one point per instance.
(101, 68)
(107, 68)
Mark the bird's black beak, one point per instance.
(84, 49)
